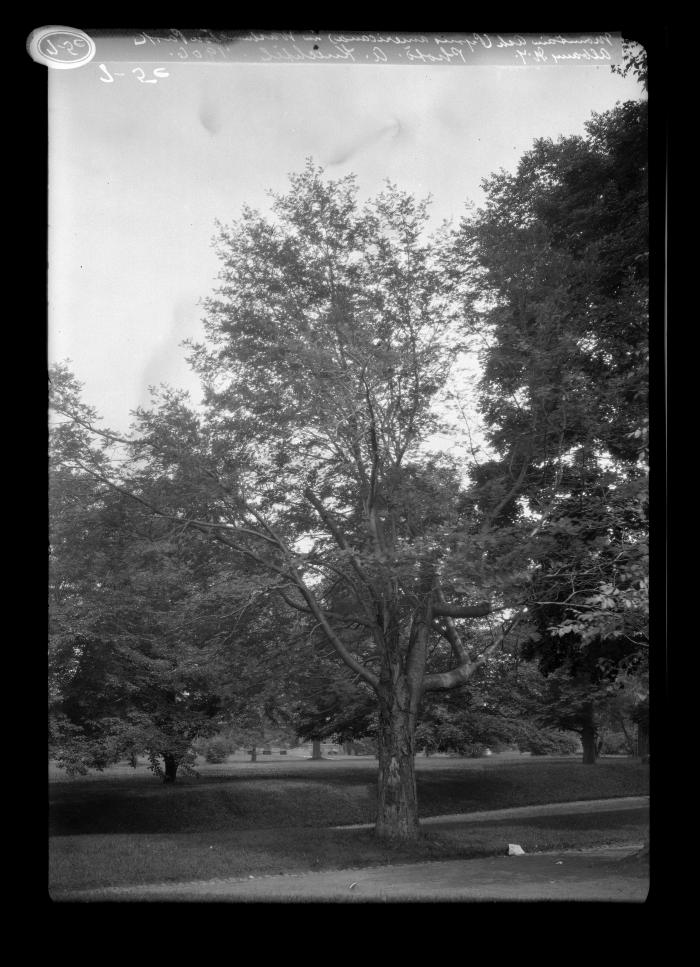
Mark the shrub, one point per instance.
(615, 743)
(475, 750)
(363, 746)
(549, 742)
(217, 752)
(497, 745)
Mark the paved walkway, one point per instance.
(524, 812)
(600, 874)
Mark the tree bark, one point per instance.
(642, 739)
(631, 743)
(397, 803)
(316, 749)
(588, 740)
(171, 765)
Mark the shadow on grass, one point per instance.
(321, 795)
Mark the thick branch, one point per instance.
(448, 631)
(416, 658)
(444, 681)
(349, 660)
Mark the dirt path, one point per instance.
(524, 812)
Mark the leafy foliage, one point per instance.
(152, 642)
(559, 288)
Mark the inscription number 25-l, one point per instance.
(138, 72)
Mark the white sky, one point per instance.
(139, 172)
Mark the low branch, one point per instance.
(290, 574)
(443, 681)
(449, 630)
(340, 648)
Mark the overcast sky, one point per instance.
(139, 173)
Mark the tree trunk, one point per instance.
(171, 764)
(397, 805)
(588, 740)
(253, 754)
(316, 749)
(631, 743)
(642, 739)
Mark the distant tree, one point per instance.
(124, 678)
(151, 642)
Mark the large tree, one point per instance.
(329, 343)
(557, 290)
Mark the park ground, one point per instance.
(245, 830)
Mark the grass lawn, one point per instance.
(252, 819)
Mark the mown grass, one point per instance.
(130, 831)
(84, 862)
(326, 794)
